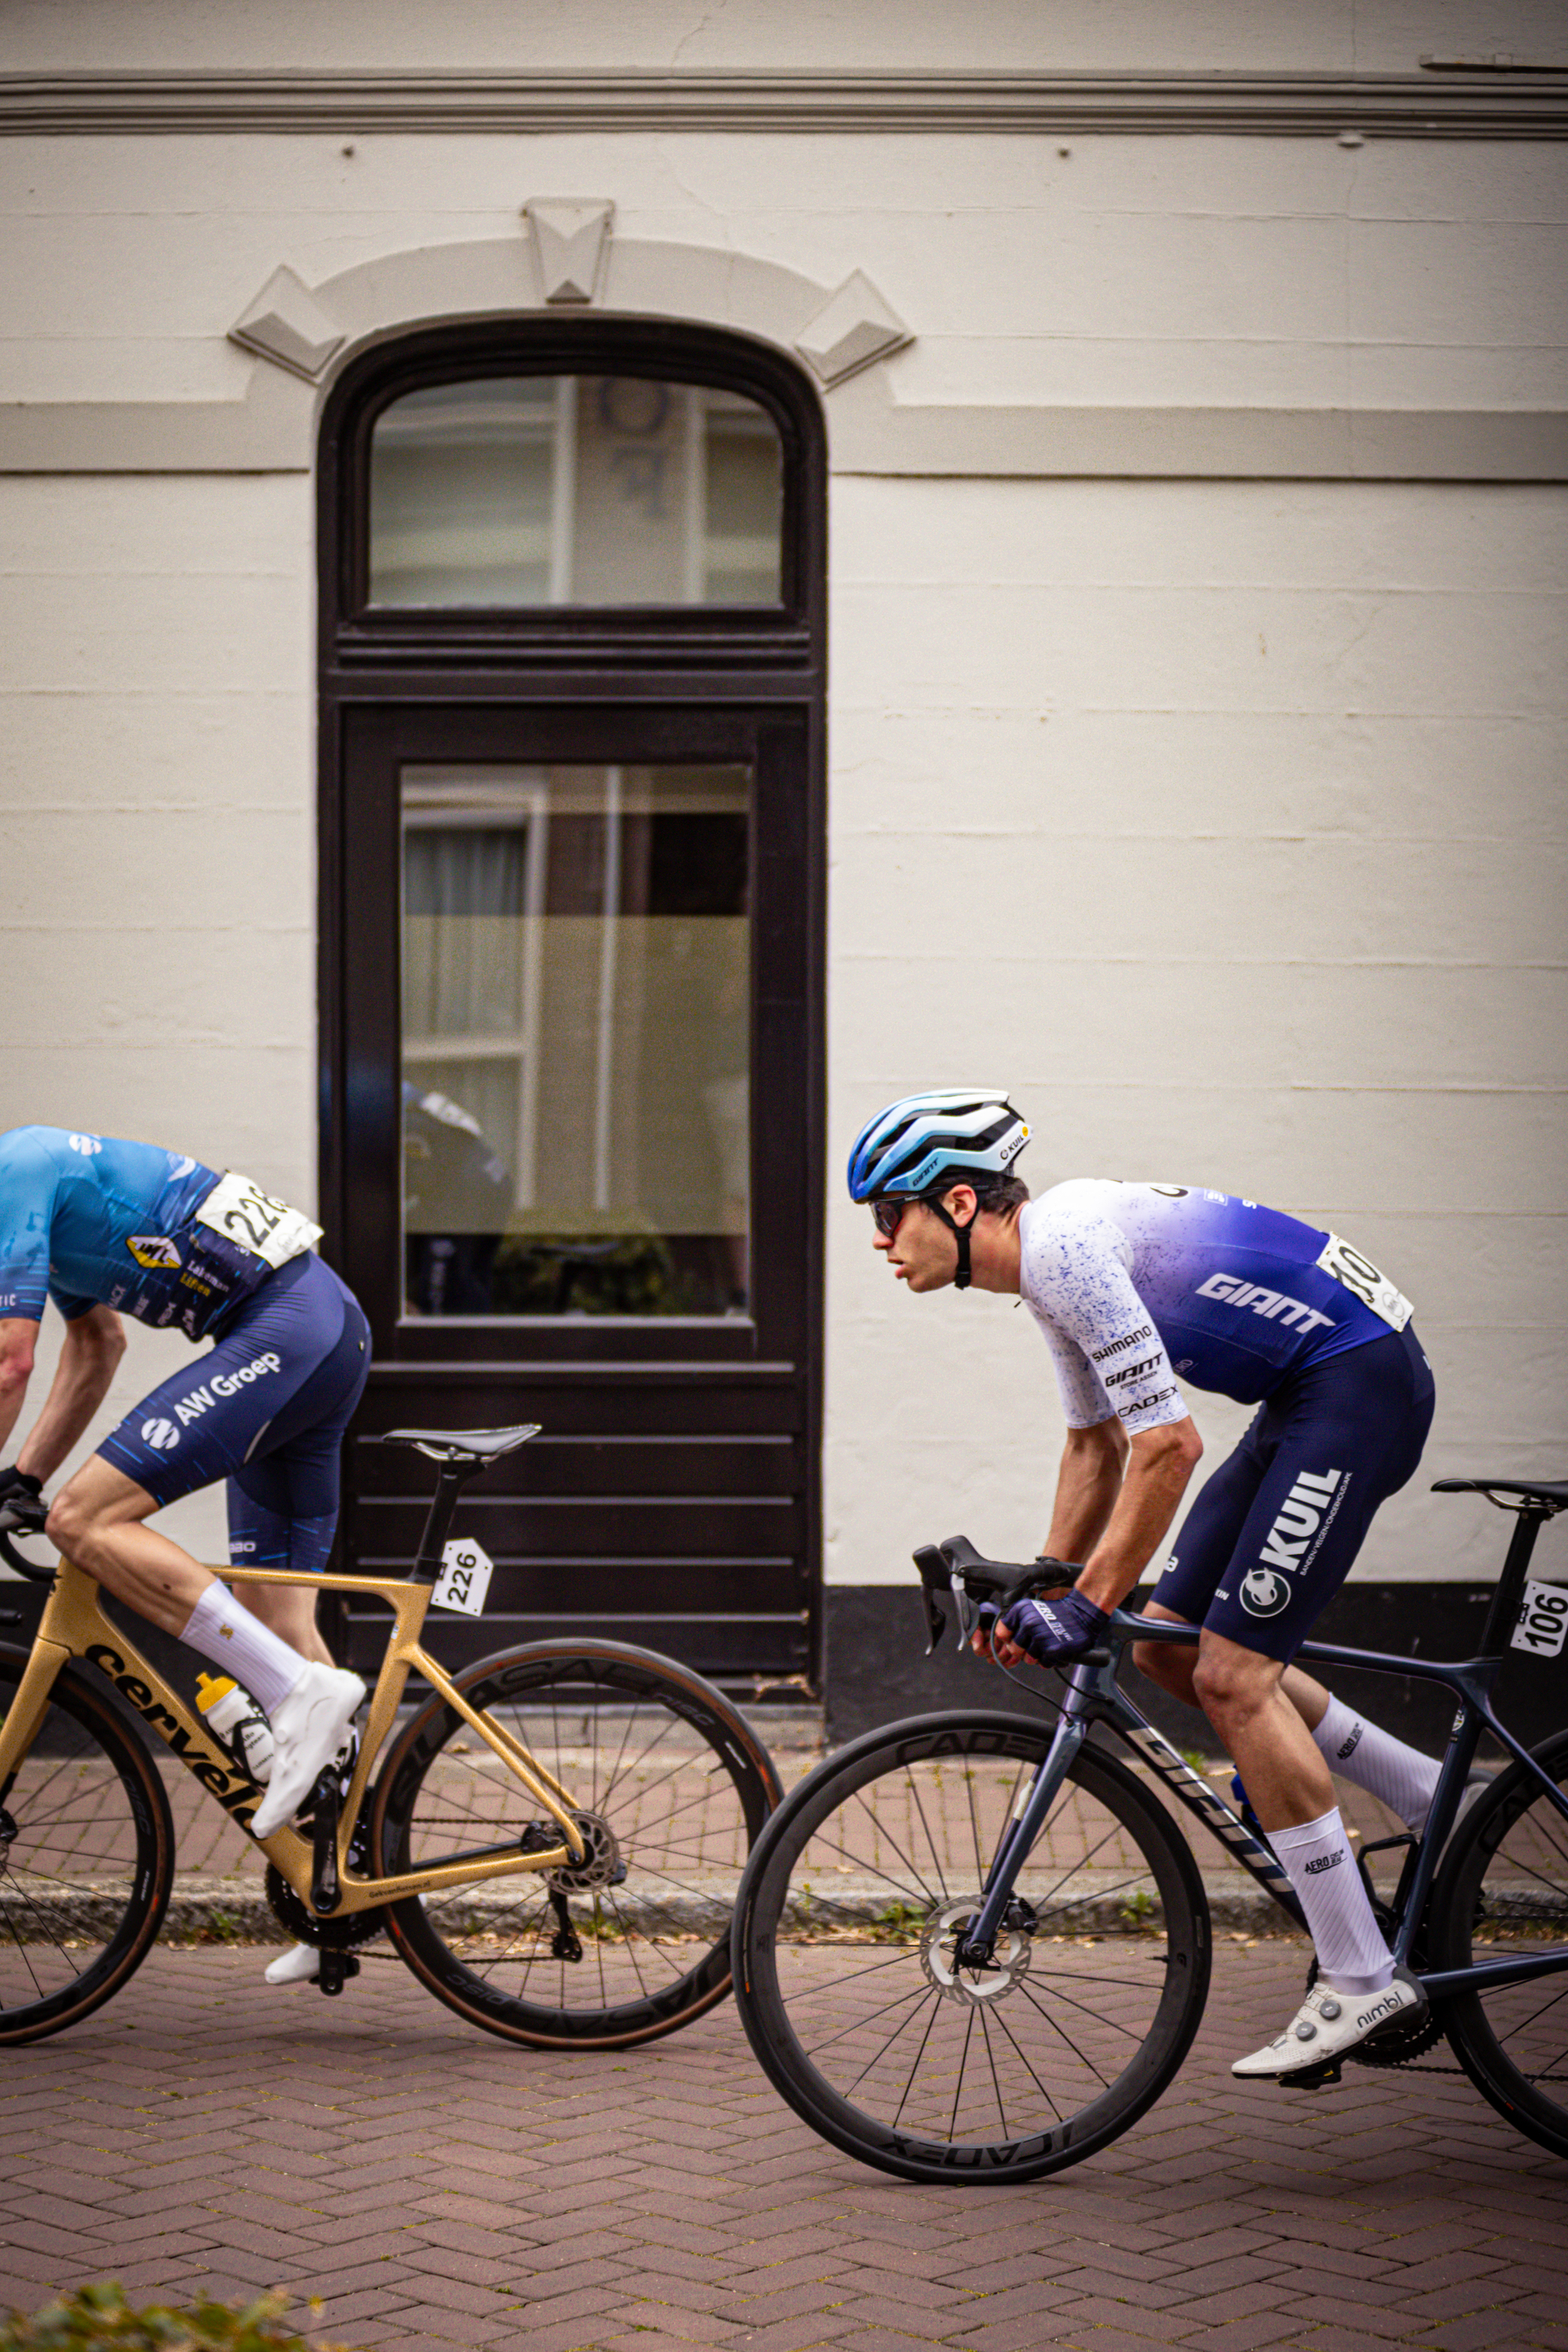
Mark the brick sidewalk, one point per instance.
(204, 2135)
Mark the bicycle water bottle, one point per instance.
(233, 1714)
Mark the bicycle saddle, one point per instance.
(460, 1444)
(1552, 1493)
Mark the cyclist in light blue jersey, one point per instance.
(1135, 1287)
(106, 1228)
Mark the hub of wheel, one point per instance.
(971, 1987)
(601, 1865)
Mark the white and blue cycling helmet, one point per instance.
(922, 1143)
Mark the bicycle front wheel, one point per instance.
(87, 1859)
(845, 1937)
(1503, 1889)
(669, 1786)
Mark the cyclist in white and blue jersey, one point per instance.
(1135, 1287)
(103, 1228)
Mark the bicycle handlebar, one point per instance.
(19, 1515)
(954, 1566)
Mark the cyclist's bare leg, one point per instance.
(1241, 1693)
(1174, 1671)
(97, 1521)
(289, 1610)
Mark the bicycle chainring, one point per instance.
(326, 1935)
(1400, 2043)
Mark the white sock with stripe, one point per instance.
(223, 1630)
(1316, 1857)
(1401, 1777)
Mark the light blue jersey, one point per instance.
(91, 1220)
(1133, 1284)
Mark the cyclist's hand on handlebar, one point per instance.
(1049, 1631)
(20, 1488)
(980, 1639)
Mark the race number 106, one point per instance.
(1542, 1620)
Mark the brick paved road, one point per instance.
(204, 2135)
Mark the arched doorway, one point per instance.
(572, 835)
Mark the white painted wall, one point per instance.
(1133, 270)
(1222, 820)
(1128, 35)
(1223, 824)
(157, 828)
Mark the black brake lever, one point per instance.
(935, 1575)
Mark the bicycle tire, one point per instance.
(677, 1787)
(881, 1846)
(1504, 1881)
(87, 1875)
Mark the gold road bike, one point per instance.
(553, 1840)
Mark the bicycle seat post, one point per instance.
(450, 1484)
(1508, 1591)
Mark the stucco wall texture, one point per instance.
(1220, 820)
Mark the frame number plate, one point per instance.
(465, 1578)
(1542, 1620)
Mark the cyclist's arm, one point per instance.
(1161, 1461)
(94, 1343)
(19, 1338)
(1087, 1484)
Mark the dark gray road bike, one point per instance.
(973, 1946)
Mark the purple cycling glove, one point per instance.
(1051, 1630)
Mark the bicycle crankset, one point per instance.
(971, 1987)
(307, 1926)
(1397, 2044)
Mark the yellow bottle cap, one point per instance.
(210, 1688)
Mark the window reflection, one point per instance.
(576, 1040)
(515, 491)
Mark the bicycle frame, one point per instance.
(1094, 1695)
(73, 1625)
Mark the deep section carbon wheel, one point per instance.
(87, 1858)
(1503, 1889)
(669, 1787)
(847, 1973)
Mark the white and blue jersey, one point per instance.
(1133, 1284)
(95, 1221)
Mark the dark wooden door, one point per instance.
(672, 1497)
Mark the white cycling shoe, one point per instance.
(300, 1965)
(307, 1729)
(1330, 2024)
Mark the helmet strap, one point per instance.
(961, 1280)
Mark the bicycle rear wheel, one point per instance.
(845, 1935)
(87, 1859)
(1503, 1888)
(671, 1787)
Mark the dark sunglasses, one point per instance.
(889, 1214)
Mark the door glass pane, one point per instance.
(574, 490)
(576, 1040)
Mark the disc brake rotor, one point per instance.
(970, 1988)
(601, 1865)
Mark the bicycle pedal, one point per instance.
(1313, 2078)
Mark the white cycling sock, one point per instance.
(223, 1630)
(1400, 1777)
(1316, 1857)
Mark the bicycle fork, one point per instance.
(976, 1947)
